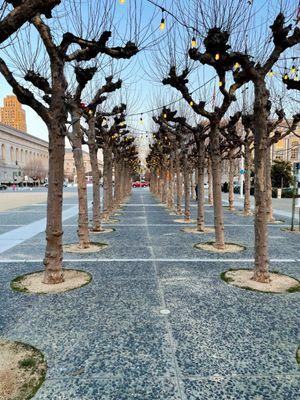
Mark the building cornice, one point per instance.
(22, 135)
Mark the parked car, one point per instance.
(3, 187)
(46, 184)
(142, 184)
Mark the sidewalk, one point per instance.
(157, 322)
(281, 207)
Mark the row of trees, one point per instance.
(55, 75)
(61, 60)
(181, 147)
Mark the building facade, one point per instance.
(69, 165)
(20, 155)
(12, 114)
(288, 148)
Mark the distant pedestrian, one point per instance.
(196, 190)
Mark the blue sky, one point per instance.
(143, 73)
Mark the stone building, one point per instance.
(12, 114)
(288, 149)
(69, 166)
(19, 154)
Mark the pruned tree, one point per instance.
(54, 112)
(23, 11)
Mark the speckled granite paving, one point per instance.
(109, 341)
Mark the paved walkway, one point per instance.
(157, 322)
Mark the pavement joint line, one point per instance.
(19, 235)
(160, 260)
(178, 375)
(180, 225)
(12, 225)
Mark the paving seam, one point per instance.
(161, 260)
(179, 378)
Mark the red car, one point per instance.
(140, 184)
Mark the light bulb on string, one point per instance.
(122, 1)
(293, 70)
(217, 57)
(285, 76)
(237, 66)
(162, 24)
(220, 83)
(271, 73)
(191, 103)
(194, 42)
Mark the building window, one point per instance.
(294, 150)
(3, 150)
(12, 153)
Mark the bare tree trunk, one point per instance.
(105, 184)
(231, 180)
(171, 178)
(217, 192)
(163, 185)
(270, 215)
(83, 221)
(93, 150)
(159, 184)
(110, 181)
(187, 190)
(200, 183)
(117, 183)
(178, 185)
(210, 184)
(193, 192)
(247, 202)
(54, 252)
(75, 138)
(261, 270)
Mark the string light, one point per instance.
(194, 42)
(237, 66)
(162, 25)
(122, 1)
(271, 73)
(165, 116)
(220, 83)
(217, 57)
(285, 76)
(191, 103)
(293, 70)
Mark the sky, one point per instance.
(142, 74)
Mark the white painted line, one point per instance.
(180, 225)
(22, 211)
(16, 236)
(45, 204)
(12, 225)
(188, 260)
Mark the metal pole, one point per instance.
(242, 172)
